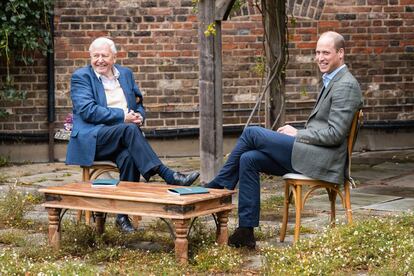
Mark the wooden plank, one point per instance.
(210, 85)
(149, 209)
(131, 191)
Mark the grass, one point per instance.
(273, 203)
(83, 252)
(4, 161)
(4, 178)
(14, 205)
(380, 246)
(376, 246)
(371, 246)
(13, 237)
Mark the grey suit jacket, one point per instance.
(319, 150)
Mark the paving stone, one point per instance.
(388, 190)
(402, 167)
(406, 181)
(148, 246)
(399, 205)
(321, 202)
(374, 174)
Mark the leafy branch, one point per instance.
(24, 32)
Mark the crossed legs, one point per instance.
(126, 145)
(257, 150)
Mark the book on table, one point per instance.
(188, 190)
(105, 183)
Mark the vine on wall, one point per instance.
(24, 31)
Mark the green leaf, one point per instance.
(24, 30)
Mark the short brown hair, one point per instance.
(339, 41)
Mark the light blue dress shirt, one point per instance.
(326, 78)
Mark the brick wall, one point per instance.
(380, 53)
(157, 39)
(29, 115)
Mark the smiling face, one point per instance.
(102, 59)
(328, 57)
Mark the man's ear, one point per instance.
(341, 52)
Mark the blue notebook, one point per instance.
(188, 190)
(105, 182)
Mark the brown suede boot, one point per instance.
(243, 237)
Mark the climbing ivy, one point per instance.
(24, 31)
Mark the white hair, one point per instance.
(103, 41)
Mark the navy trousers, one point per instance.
(257, 150)
(125, 145)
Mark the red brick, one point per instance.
(160, 11)
(78, 55)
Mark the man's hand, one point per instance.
(134, 117)
(288, 130)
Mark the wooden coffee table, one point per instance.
(140, 199)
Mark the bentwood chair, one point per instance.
(92, 172)
(294, 185)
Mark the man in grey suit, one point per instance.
(317, 151)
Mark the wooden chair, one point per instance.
(295, 182)
(93, 172)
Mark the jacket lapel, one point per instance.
(325, 91)
(99, 89)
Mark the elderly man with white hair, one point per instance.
(108, 112)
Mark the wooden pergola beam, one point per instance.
(211, 13)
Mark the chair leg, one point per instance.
(136, 220)
(298, 209)
(282, 233)
(85, 178)
(88, 215)
(347, 190)
(332, 199)
(79, 216)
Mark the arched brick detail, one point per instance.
(309, 9)
(306, 9)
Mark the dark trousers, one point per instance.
(257, 150)
(125, 145)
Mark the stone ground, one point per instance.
(385, 184)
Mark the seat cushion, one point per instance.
(296, 176)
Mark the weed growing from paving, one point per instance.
(13, 206)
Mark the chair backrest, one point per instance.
(353, 133)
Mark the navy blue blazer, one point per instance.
(90, 111)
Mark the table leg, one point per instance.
(54, 227)
(222, 233)
(181, 241)
(100, 222)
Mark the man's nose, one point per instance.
(318, 58)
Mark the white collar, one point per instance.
(114, 70)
